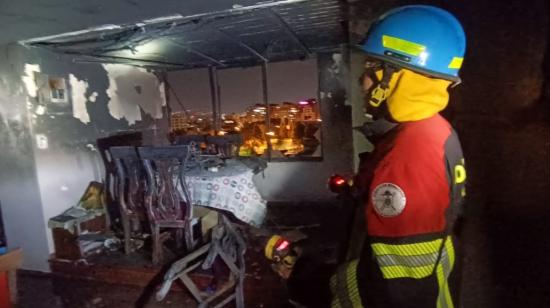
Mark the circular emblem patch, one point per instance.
(388, 199)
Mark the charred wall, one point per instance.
(49, 150)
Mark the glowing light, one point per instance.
(270, 133)
(339, 182)
(221, 133)
(303, 103)
(150, 47)
(283, 245)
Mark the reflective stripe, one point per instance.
(402, 45)
(419, 260)
(407, 249)
(343, 284)
(392, 272)
(456, 63)
(444, 268)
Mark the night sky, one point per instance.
(242, 87)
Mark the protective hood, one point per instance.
(414, 96)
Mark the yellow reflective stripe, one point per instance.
(444, 268)
(417, 272)
(344, 287)
(407, 249)
(353, 290)
(335, 303)
(402, 45)
(456, 63)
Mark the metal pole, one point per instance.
(267, 109)
(212, 72)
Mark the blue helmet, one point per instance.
(422, 38)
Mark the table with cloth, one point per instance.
(228, 187)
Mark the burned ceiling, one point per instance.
(242, 36)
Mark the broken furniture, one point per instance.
(227, 244)
(229, 189)
(67, 227)
(128, 190)
(167, 206)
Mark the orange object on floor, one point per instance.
(4, 291)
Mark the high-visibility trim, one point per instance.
(416, 249)
(443, 270)
(344, 287)
(402, 45)
(413, 261)
(456, 63)
(393, 272)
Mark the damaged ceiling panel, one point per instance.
(265, 33)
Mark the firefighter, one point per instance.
(412, 184)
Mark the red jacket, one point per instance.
(413, 187)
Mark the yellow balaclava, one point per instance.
(414, 97)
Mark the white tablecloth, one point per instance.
(231, 188)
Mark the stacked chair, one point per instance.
(152, 180)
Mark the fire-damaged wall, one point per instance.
(52, 111)
(501, 112)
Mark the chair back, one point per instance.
(129, 178)
(166, 195)
(103, 145)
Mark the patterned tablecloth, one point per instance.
(230, 188)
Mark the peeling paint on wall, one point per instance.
(131, 89)
(79, 88)
(93, 97)
(29, 80)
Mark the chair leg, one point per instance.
(179, 238)
(188, 234)
(157, 245)
(127, 228)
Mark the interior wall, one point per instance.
(19, 191)
(60, 146)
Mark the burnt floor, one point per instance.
(263, 288)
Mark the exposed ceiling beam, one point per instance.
(123, 60)
(172, 18)
(289, 31)
(245, 46)
(196, 52)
